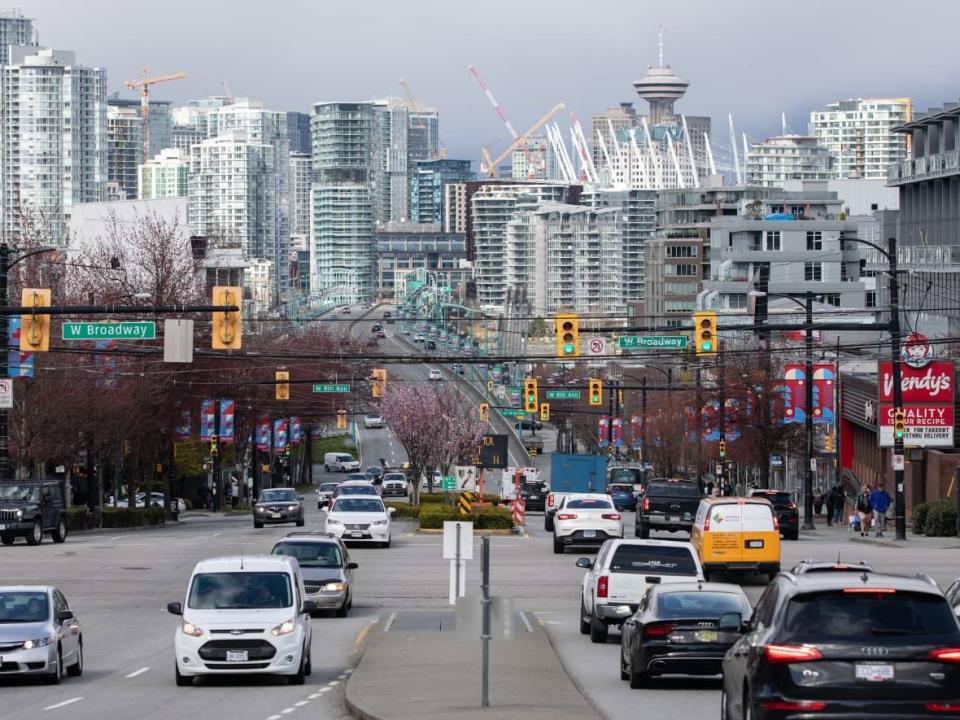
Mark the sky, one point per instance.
(753, 58)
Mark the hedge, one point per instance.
(920, 512)
(448, 498)
(941, 519)
(79, 518)
(404, 510)
(124, 517)
(433, 516)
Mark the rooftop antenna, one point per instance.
(783, 123)
(660, 47)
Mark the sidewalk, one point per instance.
(838, 533)
(432, 674)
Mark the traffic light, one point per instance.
(705, 332)
(213, 446)
(899, 425)
(723, 449)
(281, 385)
(568, 336)
(379, 386)
(341, 419)
(530, 397)
(596, 392)
(35, 329)
(227, 325)
(489, 385)
(484, 412)
(828, 443)
(545, 412)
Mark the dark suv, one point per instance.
(30, 508)
(845, 645)
(787, 512)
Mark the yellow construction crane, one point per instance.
(414, 106)
(143, 85)
(490, 166)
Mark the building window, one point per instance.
(814, 240)
(772, 238)
(681, 251)
(684, 306)
(737, 301)
(870, 299)
(813, 271)
(681, 270)
(832, 299)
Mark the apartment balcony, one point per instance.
(924, 168)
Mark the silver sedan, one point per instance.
(39, 634)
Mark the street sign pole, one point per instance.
(486, 636)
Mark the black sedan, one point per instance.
(681, 628)
(278, 505)
(788, 515)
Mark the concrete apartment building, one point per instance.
(15, 29)
(124, 149)
(779, 159)
(298, 184)
(160, 122)
(859, 135)
(403, 248)
(164, 176)
(430, 180)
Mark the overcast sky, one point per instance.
(754, 58)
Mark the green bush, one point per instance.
(404, 510)
(492, 518)
(189, 503)
(941, 520)
(125, 517)
(920, 512)
(79, 517)
(433, 516)
(435, 498)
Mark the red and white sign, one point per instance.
(917, 352)
(597, 346)
(928, 396)
(933, 383)
(926, 425)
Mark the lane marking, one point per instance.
(333, 683)
(301, 703)
(287, 711)
(118, 537)
(342, 676)
(314, 696)
(348, 671)
(358, 641)
(135, 673)
(71, 701)
(389, 623)
(274, 717)
(323, 689)
(217, 534)
(526, 622)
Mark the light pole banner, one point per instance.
(208, 415)
(227, 412)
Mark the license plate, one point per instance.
(754, 543)
(3, 527)
(534, 497)
(589, 533)
(356, 534)
(238, 656)
(672, 518)
(874, 672)
(706, 636)
(275, 516)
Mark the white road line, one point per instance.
(301, 703)
(348, 671)
(323, 689)
(389, 623)
(118, 537)
(274, 717)
(342, 676)
(314, 696)
(71, 701)
(134, 674)
(217, 534)
(526, 622)
(287, 711)
(333, 683)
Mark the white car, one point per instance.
(419, 337)
(373, 420)
(615, 583)
(585, 519)
(360, 518)
(244, 615)
(435, 374)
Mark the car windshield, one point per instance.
(328, 487)
(842, 616)
(373, 471)
(357, 476)
(311, 555)
(278, 496)
(240, 591)
(628, 475)
(588, 504)
(775, 498)
(356, 490)
(678, 489)
(374, 416)
(20, 493)
(653, 560)
(701, 603)
(23, 607)
(358, 505)
(621, 488)
(394, 477)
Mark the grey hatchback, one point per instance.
(326, 567)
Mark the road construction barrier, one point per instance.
(519, 512)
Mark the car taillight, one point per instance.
(943, 707)
(611, 516)
(655, 630)
(566, 516)
(782, 654)
(776, 523)
(792, 505)
(550, 499)
(706, 523)
(869, 591)
(646, 504)
(602, 586)
(949, 655)
(813, 705)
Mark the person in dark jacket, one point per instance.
(864, 510)
(837, 496)
(880, 501)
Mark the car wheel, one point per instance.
(548, 522)
(624, 673)
(181, 680)
(300, 521)
(76, 670)
(56, 676)
(642, 531)
(598, 629)
(724, 705)
(319, 506)
(557, 546)
(387, 543)
(584, 618)
(299, 678)
(794, 536)
(638, 680)
(308, 670)
(326, 468)
(60, 534)
(257, 525)
(343, 610)
(350, 602)
(36, 534)
(7, 539)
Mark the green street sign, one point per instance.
(563, 394)
(653, 342)
(513, 412)
(136, 330)
(331, 388)
(448, 483)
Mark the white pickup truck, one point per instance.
(615, 583)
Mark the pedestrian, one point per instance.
(880, 501)
(818, 502)
(864, 510)
(836, 494)
(234, 491)
(831, 506)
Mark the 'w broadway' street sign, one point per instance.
(137, 330)
(654, 342)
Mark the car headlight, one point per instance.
(291, 508)
(190, 629)
(334, 587)
(19, 514)
(332, 521)
(39, 642)
(261, 509)
(379, 523)
(283, 629)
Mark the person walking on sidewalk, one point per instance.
(864, 510)
(838, 499)
(880, 501)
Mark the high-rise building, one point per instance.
(124, 148)
(430, 177)
(342, 136)
(776, 160)
(196, 113)
(184, 137)
(160, 122)
(404, 248)
(298, 131)
(859, 135)
(391, 157)
(301, 177)
(15, 29)
(164, 176)
(623, 119)
(53, 139)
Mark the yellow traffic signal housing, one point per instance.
(379, 386)
(489, 385)
(227, 325)
(723, 448)
(828, 443)
(568, 335)
(530, 395)
(705, 333)
(595, 392)
(899, 425)
(545, 412)
(282, 387)
(341, 419)
(35, 329)
(484, 412)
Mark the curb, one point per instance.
(477, 533)
(354, 709)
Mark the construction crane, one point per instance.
(491, 164)
(418, 112)
(143, 85)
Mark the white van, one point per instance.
(263, 595)
(340, 462)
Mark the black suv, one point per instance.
(845, 644)
(31, 508)
(787, 512)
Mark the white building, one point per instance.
(15, 29)
(124, 148)
(776, 160)
(301, 177)
(53, 139)
(859, 135)
(166, 175)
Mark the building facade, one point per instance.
(124, 148)
(859, 135)
(430, 179)
(298, 131)
(776, 160)
(166, 175)
(15, 29)
(301, 178)
(637, 220)
(403, 248)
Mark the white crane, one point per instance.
(713, 165)
(733, 145)
(693, 165)
(654, 156)
(676, 162)
(563, 151)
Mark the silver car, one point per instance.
(39, 634)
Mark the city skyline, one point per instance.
(534, 43)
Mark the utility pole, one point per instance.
(900, 509)
(721, 476)
(808, 415)
(218, 499)
(643, 417)
(699, 428)
(5, 473)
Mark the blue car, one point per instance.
(623, 497)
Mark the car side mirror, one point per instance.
(585, 563)
(300, 498)
(175, 608)
(309, 606)
(64, 615)
(352, 566)
(730, 622)
(391, 510)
